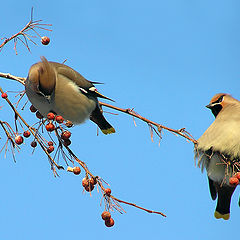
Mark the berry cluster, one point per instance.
(234, 180)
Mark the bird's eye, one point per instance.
(220, 99)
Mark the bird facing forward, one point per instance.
(218, 150)
(55, 87)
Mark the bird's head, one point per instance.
(42, 78)
(220, 101)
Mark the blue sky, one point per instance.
(165, 59)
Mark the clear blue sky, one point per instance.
(164, 58)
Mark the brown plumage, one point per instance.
(218, 150)
(55, 87)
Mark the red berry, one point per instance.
(50, 127)
(51, 116)
(109, 223)
(26, 134)
(106, 215)
(237, 175)
(33, 144)
(108, 191)
(18, 139)
(39, 115)
(233, 181)
(50, 143)
(59, 119)
(4, 95)
(76, 170)
(93, 181)
(45, 40)
(69, 124)
(33, 109)
(50, 149)
(89, 187)
(85, 182)
(67, 142)
(65, 135)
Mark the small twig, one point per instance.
(132, 113)
(134, 205)
(22, 33)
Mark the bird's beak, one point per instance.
(209, 106)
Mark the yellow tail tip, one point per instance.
(219, 215)
(109, 130)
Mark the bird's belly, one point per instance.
(75, 109)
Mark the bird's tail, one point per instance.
(98, 118)
(223, 203)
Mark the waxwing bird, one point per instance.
(55, 87)
(218, 151)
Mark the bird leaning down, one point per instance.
(218, 150)
(55, 87)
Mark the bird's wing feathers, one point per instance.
(86, 87)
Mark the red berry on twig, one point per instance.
(26, 134)
(33, 144)
(108, 191)
(65, 135)
(45, 40)
(4, 95)
(93, 181)
(59, 119)
(106, 215)
(18, 139)
(109, 223)
(67, 142)
(76, 170)
(233, 181)
(50, 143)
(51, 116)
(50, 149)
(237, 175)
(85, 182)
(89, 187)
(50, 127)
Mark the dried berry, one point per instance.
(33, 109)
(26, 134)
(50, 143)
(108, 191)
(67, 142)
(89, 187)
(93, 181)
(76, 170)
(106, 215)
(85, 182)
(33, 144)
(45, 40)
(69, 124)
(50, 149)
(39, 115)
(109, 223)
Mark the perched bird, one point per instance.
(55, 87)
(218, 150)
